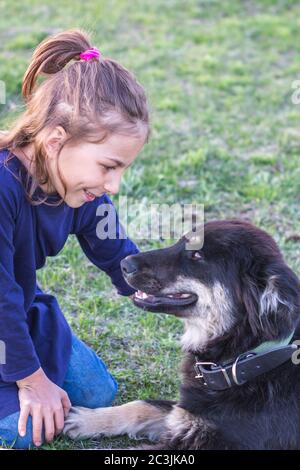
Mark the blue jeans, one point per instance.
(87, 383)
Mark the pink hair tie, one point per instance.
(89, 54)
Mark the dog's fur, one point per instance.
(246, 295)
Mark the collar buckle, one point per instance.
(198, 369)
(245, 367)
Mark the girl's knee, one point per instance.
(88, 381)
(100, 393)
(9, 437)
(110, 391)
(24, 443)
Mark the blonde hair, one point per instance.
(89, 99)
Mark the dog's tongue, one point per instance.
(142, 295)
(178, 295)
(163, 302)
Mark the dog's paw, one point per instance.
(79, 423)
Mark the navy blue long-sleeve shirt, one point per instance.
(32, 327)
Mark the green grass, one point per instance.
(218, 74)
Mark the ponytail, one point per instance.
(52, 55)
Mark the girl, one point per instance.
(83, 125)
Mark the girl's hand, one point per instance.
(47, 403)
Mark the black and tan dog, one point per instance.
(240, 303)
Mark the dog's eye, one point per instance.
(196, 255)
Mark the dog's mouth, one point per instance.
(164, 301)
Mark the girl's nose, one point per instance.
(112, 186)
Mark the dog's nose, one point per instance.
(129, 265)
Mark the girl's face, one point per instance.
(90, 170)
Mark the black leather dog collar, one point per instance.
(245, 367)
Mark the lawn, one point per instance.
(225, 133)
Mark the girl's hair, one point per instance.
(89, 99)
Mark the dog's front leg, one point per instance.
(137, 418)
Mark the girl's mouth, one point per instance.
(89, 196)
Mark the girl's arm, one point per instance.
(37, 394)
(21, 359)
(105, 254)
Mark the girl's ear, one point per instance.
(273, 311)
(54, 140)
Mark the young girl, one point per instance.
(83, 125)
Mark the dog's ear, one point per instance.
(272, 304)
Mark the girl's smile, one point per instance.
(89, 196)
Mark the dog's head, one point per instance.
(236, 283)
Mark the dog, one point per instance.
(240, 303)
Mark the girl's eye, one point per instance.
(196, 255)
(107, 168)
